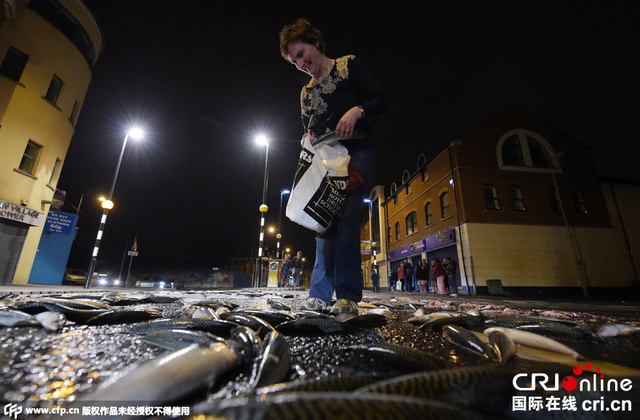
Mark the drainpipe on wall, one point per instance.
(624, 233)
(455, 197)
(582, 272)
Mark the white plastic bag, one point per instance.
(320, 185)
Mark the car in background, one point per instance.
(74, 277)
(156, 283)
(103, 280)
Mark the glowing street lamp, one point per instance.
(107, 204)
(283, 191)
(262, 141)
(373, 243)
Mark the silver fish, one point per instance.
(179, 339)
(466, 339)
(274, 362)
(51, 321)
(13, 318)
(325, 384)
(214, 326)
(334, 405)
(530, 339)
(169, 377)
(384, 357)
(314, 326)
(617, 330)
(487, 389)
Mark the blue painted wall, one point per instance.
(53, 251)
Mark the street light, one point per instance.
(107, 204)
(283, 191)
(262, 141)
(371, 236)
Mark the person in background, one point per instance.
(400, 282)
(407, 267)
(422, 274)
(296, 268)
(341, 97)
(375, 278)
(449, 265)
(438, 272)
(433, 283)
(285, 270)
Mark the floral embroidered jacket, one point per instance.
(348, 84)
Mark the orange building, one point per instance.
(518, 204)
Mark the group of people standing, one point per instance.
(290, 270)
(432, 277)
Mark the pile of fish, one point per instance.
(224, 358)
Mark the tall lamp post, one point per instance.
(283, 191)
(263, 141)
(134, 133)
(373, 243)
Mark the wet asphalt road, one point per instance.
(43, 369)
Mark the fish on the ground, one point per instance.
(470, 341)
(333, 405)
(179, 339)
(168, 377)
(385, 357)
(51, 321)
(326, 384)
(214, 326)
(487, 389)
(314, 326)
(617, 330)
(468, 321)
(14, 318)
(530, 339)
(273, 363)
(123, 316)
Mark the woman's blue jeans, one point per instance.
(337, 265)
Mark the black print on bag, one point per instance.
(304, 163)
(326, 203)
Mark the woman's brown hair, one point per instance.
(300, 30)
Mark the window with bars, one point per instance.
(411, 223)
(55, 86)
(517, 201)
(579, 203)
(13, 64)
(491, 200)
(554, 200)
(445, 207)
(428, 212)
(30, 157)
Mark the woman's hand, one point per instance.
(347, 123)
(310, 135)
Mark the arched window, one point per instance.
(445, 208)
(525, 150)
(397, 231)
(579, 205)
(512, 152)
(515, 195)
(411, 223)
(490, 193)
(428, 212)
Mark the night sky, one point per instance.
(205, 77)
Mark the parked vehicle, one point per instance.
(74, 277)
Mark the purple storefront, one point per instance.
(440, 245)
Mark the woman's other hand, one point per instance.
(310, 135)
